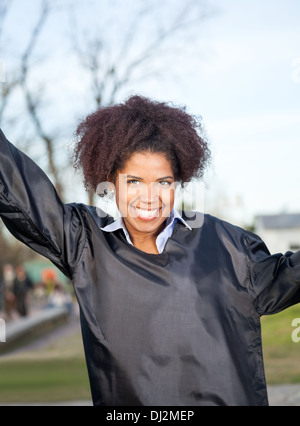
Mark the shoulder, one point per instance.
(216, 228)
(92, 213)
(232, 235)
(209, 222)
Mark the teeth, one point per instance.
(147, 213)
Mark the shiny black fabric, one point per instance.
(177, 329)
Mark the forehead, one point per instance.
(148, 163)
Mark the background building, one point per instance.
(280, 232)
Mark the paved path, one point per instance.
(282, 395)
(285, 395)
(37, 324)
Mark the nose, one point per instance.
(145, 193)
(148, 194)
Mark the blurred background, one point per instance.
(236, 64)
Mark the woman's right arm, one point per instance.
(33, 212)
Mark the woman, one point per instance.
(170, 312)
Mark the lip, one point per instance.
(147, 215)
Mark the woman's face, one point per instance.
(145, 192)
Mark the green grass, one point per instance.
(281, 354)
(45, 380)
(55, 373)
(58, 372)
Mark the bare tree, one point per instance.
(32, 101)
(13, 251)
(110, 73)
(3, 11)
(7, 86)
(111, 66)
(20, 79)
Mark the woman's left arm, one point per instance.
(275, 279)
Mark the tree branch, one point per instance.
(32, 104)
(109, 76)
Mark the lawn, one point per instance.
(58, 372)
(46, 380)
(55, 373)
(281, 353)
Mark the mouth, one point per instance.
(146, 214)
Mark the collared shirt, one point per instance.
(162, 238)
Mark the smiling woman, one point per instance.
(142, 148)
(147, 198)
(170, 313)
(113, 134)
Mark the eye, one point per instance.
(165, 183)
(133, 181)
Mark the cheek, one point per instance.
(168, 198)
(123, 200)
(119, 200)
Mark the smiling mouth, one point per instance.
(145, 214)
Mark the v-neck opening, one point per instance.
(153, 255)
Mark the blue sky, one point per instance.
(249, 96)
(244, 80)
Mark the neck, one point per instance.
(145, 241)
(148, 246)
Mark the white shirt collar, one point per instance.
(162, 237)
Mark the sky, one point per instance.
(244, 81)
(248, 93)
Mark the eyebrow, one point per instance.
(139, 178)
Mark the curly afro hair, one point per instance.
(106, 139)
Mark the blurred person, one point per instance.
(39, 297)
(49, 280)
(21, 287)
(59, 298)
(8, 287)
(170, 303)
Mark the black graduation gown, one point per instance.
(181, 328)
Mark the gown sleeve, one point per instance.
(275, 279)
(33, 212)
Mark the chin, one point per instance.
(146, 225)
